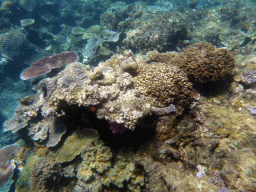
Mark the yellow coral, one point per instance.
(75, 144)
(124, 171)
(95, 156)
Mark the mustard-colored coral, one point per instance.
(95, 156)
(75, 144)
(124, 171)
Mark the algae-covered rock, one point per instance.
(40, 174)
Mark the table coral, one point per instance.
(7, 165)
(45, 65)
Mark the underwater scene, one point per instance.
(127, 96)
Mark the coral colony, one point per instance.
(123, 88)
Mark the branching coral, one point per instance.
(166, 84)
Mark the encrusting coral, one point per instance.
(40, 174)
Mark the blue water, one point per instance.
(31, 30)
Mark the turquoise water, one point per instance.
(199, 136)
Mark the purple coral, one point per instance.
(117, 128)
(7, 165)
(253, 110)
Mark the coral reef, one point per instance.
(150, 134)
(205, 63)
(45, 65)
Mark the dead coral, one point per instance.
(206, 63)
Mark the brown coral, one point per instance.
(165, 84)
(206, 63)
(75, 144)
(46, 176)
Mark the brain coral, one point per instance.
(206, 63)
(165, 84)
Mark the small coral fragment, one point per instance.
(45, 65)
(97, 73)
